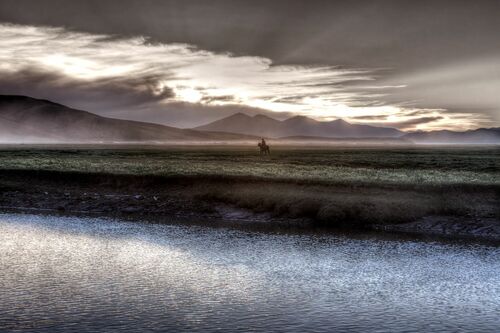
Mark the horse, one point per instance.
(264, 149)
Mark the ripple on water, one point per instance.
(89, 275)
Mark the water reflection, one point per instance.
(72, 274)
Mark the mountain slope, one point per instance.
(260, 125)
(478, 136)
(26, 119)
(29, 120)
(241, 123)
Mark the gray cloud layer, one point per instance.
(442, 55)
(355, 33)
(103, 94)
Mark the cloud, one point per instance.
(411, 124)
(458, 87)
(217, 99)
(410, 120)
(99, 94)
(376, 117)
(134, 78)
(187, 115)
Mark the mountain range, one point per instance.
(268, 127)
(28, 120)
(300, 128)
(477, 136)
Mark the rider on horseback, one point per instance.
(264, 148)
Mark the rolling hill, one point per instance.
(29, 120)
(478, 136)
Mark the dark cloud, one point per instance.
(443, 52)
(133, 99)
(292, 99)
(363, 118)
(211, 99)
(101, 95)
(395, 33)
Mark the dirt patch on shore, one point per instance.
(261, 203)
(448, 226)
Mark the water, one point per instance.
(96, 275)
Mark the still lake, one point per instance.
(63, 274)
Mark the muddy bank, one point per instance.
(152, 198)
(257, 204)
(448, 226)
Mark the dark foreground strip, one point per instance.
(110, 179)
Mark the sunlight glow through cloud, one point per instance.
(199, 76)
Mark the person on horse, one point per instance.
(264, 148)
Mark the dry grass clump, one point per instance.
(358, 207)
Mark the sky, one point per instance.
(413, 65)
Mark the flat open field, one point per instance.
(335, 187)
(376, 166)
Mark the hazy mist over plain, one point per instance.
(403, 65)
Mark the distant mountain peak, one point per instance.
(265, 126)
(340, 121)
(25, 120)
(476, 136)
(300, 119)
(238, 115)
(26, 99)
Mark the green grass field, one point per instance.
(334, 187)
(414, 167)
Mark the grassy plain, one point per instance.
(336, 186)
(376, 166)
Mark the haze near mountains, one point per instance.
(304, 128)
(265, 126)
(28, 120)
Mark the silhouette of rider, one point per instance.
(263, 142)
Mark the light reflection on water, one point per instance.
(92, 275)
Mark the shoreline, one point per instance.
(230, 202)
(449, 231)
